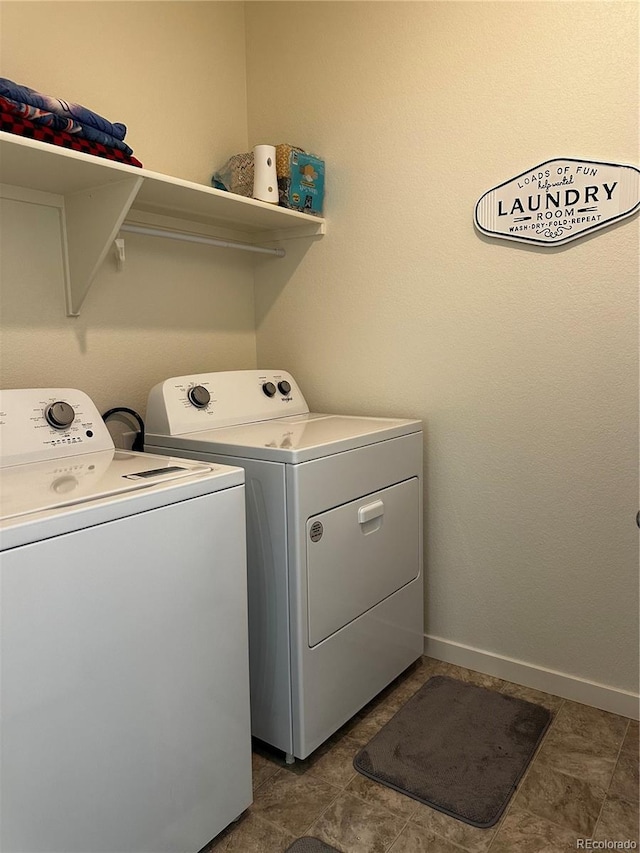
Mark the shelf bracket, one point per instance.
(91, 223)
(119, 248)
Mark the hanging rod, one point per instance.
(196, 238)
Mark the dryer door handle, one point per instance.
(370, 512)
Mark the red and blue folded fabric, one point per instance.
(30, 109)
(12, 123)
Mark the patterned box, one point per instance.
(300, 179)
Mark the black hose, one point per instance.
(138, 442)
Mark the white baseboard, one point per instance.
(558, 683)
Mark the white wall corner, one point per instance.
(538, 678)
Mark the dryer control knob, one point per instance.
(284, 387)
(269, 389)
(59, 415)
(199, 396)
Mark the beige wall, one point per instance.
(174, 73)
(522, 362)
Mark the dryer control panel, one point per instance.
(49, 423)
(206, 401)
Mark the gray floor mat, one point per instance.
(310, 845)
(456, 747)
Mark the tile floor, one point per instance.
(582, 784)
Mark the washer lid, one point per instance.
(299, 438)
(57, 484)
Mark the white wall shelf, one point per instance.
(96, 195)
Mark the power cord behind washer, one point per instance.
(138, 442)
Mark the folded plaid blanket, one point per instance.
(39, 116)
(25, 127)
(25, 95)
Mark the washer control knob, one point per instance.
(284, 387)
(199, 396)
(59, 415)
(269, 389)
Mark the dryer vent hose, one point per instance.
(138, 442)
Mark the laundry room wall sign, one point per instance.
(559, 201)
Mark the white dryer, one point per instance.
(124, 710)
(334, 542)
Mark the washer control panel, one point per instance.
(49, 423)
(204, 401)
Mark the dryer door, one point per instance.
(360, 553)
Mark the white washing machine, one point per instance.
(334, 542)
(124, 710)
